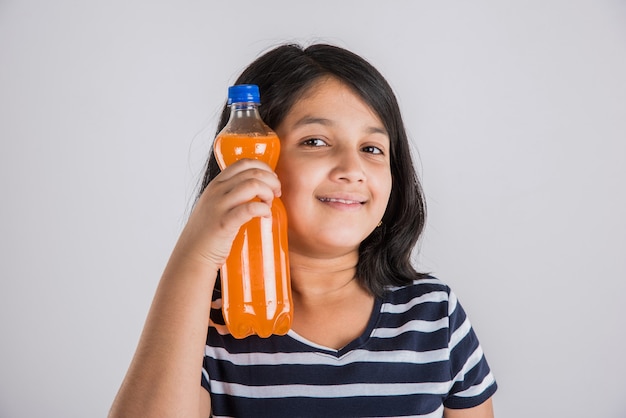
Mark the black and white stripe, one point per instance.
(418, 354)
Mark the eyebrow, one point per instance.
(311, 120)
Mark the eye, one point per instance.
(314, 142)
(372, 150)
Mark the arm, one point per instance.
(164, 376)
(484, 410)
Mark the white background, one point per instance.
(518, 110)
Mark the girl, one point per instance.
(370, 335)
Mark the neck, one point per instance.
(321, 277)
(331, 307)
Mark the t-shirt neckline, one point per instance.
(352, 345)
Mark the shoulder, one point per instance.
(427, 316)
(425, 299)
(428, 289)
(424, 303)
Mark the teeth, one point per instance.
(347, 202)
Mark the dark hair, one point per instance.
(283, 75)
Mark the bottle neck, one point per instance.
(244, 110)
(245, 119)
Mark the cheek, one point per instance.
(385, 194)
(284, 175)
(384, 184)
(297, 177)
(291, 187)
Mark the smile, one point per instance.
(343, 201)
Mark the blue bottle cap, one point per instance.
(244, 93)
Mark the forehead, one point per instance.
(330, 96)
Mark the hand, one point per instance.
(163, 377)
(242, 191)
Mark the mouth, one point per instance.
(343, 199)
(340, 200)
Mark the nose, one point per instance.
(348, 166)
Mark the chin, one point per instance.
(321, 248)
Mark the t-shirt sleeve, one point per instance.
(216, 319)
(204, 380)
(472, 380)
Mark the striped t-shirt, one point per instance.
(418, 354)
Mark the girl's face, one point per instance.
(334, 169)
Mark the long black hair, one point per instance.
(283, 76)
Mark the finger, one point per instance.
(249, 184)
(248, 190)
(241, 214)
(244, 165)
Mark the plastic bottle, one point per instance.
(256, 288)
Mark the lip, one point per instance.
(343, 200)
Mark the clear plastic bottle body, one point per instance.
(256, 288)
